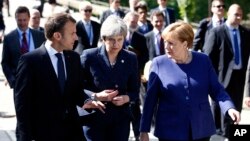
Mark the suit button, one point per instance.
(116, 86)
(187, 98)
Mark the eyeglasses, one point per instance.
(117, 1)
(87, 10)
(220, 6)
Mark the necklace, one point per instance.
(189, 58)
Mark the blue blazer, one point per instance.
(99, 75)
(180, 94)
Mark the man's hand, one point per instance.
(235, 115)
(94, 105)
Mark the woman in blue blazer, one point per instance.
(111, 76)
(178, 89)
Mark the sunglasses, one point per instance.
(220, 6)
(88, 10)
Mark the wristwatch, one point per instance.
(93, 97)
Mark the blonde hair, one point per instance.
(181, 31)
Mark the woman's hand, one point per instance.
(144, 136)
(106, 95)
(120, 100)
(235, 115)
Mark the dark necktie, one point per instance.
(236, 48)
(24, 46)
(161, 46)
(60, 70)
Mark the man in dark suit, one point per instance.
(49, 85)
(205, 25)
(35, 18)
(153, 37)
(13, 43)
(113, 10)
(169, 13)
(229, 49)
(136, 42)
(87, 30)
(144, 25)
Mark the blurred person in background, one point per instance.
(35, 18)
(228, 47)
(114, 9)
(144, 25)
(2, 27)
(87, 30)
(154, 40)
(136, 42)
(205, 25)
(17, 42)
(169, 13)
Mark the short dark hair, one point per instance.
(141, 5)
(156, 13)
(22, 9)
(56, 23)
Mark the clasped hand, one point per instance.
(112, 96)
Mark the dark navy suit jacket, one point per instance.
(83, 39)
(202, 33)
(41, 107)
(11, 52)
(108, 12)
(219, 48)
(171, 14)
(99, 75)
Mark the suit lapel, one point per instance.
(68, 66)
(102, 58)
(16, 38)
(227, 37)
(84, 32)
(49, 70)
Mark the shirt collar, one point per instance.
(231, 27)
(20, 32)
(162, 8)
(51, 51)
(156, 31)
(86, 22)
